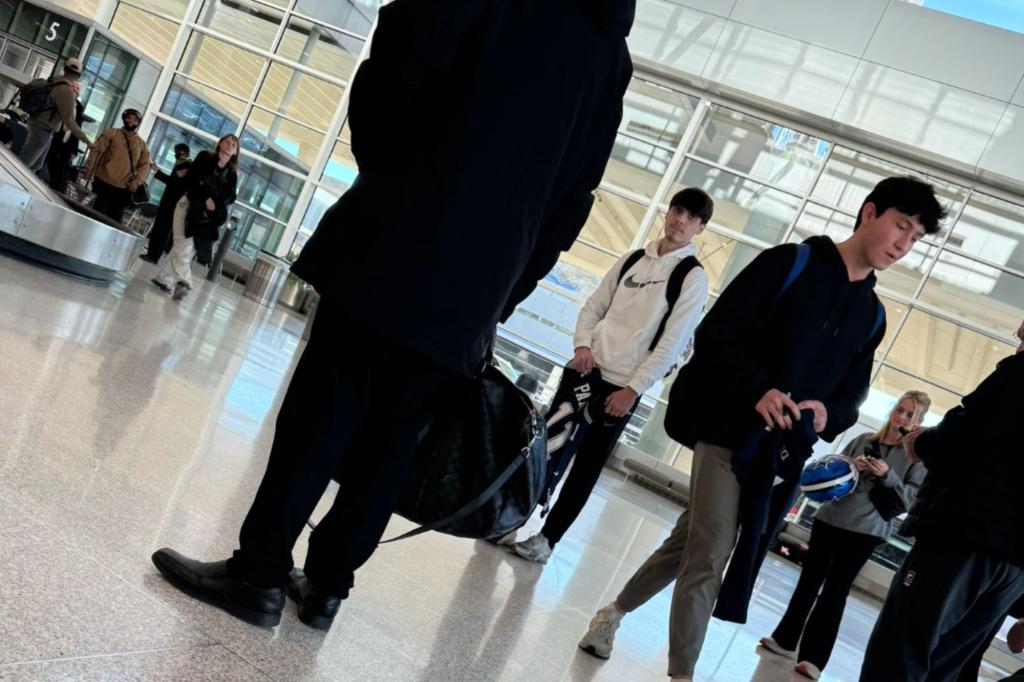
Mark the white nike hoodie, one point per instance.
(619, 320)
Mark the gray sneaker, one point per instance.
(535, 548)
(180, 291)
(601, 634)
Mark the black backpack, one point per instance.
(34, 96)
(672, 289)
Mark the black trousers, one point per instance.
(943, 603)
(834, 559)
(587, 438)
(355, 406)
(972, 667)
(160, 236)
(111, 201)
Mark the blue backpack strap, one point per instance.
(879, 319)
(803, 254)
(631, 260)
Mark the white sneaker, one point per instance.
(534, 548)
(776, 648)
(808, 670)
(601, 634)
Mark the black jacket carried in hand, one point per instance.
(480, 128)
(160, 235)
(206, 181)
(972, 495)
(815, 342)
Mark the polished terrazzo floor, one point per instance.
(130, 422)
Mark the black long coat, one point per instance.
(480, 128)
(160, 235)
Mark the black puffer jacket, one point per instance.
(481, 128)
(975, 458)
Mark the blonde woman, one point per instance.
(845, 533)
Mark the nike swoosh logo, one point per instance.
(633, 284)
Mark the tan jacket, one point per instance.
(112, 159)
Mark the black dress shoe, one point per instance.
(209, 582)
(316, 609)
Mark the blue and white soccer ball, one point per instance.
(828, 478)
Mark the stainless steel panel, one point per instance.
(58, 228)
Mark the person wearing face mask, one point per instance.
(844, 535)
(117, 166)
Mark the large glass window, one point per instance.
(250, 22)
(356, 16)
(985, 295)
(341, 169)
(849, 177)
(130, 23)
(771, 153)
(656, 114)
(742, 205)
(174, 8)
(108, 71)
(222, 65)
(613, 223)
(317, 46)
(945, 353)
(636, 166)
(991, 229)
(300, 97)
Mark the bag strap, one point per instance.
(803, 254)
(630, 261)
(672, 291)
(879, 319)
(470, 506)
(128, 146)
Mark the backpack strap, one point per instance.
(630, 261)
(672, 291)
(879, 319)
(803, 254)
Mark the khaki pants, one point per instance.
(178, 266)
(694, 556)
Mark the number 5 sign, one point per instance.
(51, 35)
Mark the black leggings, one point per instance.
(833, 561)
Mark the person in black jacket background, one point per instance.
(967, 567)
(481, 129)
(764, 353)
(210, 186)
(160, 236)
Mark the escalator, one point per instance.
(41, 226)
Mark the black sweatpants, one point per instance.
(581, 432)
(355, 406)
(943, 602)
(834, 559)
(971, 669)
(110, 201)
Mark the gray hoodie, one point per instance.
(856, 512)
